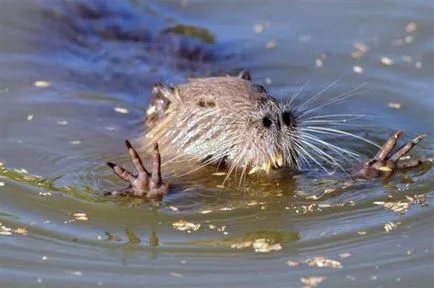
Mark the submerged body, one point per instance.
(231, 121)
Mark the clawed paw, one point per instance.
(144, 184)
(387, 161)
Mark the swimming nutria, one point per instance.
(230, 120)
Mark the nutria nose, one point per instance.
(288, 118)
(266, 121)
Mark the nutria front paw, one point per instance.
(386, 162)
(144, 184)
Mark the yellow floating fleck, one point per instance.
(41, 84)
(121, 110)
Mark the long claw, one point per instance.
(138, 164)
(122, 173)
(388, 146)
(406, 164)
(144, 184)
(405, 148)
(385, 163)
(156, 166)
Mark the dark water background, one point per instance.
(67, 131)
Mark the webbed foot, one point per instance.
(144, 184)
(386, 162)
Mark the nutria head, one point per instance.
(234, 121)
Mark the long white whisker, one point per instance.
(339, 150)
(338, 98)
(319, 129)
(311, 99)
(297, 93)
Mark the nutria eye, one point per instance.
(287, 118)
(266, 121)
(259, 89)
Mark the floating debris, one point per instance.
(62, 122)
(2, 184)
(259, 245)
(362, 233)
(21, 171)
(21, 231)
(411, 27)
(304, 209)
(403, 206)
(268, 81)
(74, 142)
(323, 262)
(173, 208)
(79, 216)
(42, 84)
(271, 44)
(205, 211)
(387, 61)
(361, 49)
(345, 255)
(226, 209)
(30, 117)
(326, 192)
(312, 281)
(400, 207)
(121, 110)
(390, 226)
(258, 28)
(262, 246)
(408, 39)
(242, 245)
(394, 105)
(45, 193)
(222, 229)
(77, 273)
(293, 263)
(182, 225)
(177, 275)
(6, 231)
(319, 63)
(358, 69)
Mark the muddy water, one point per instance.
(65, 128)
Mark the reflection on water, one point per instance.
(91, 57)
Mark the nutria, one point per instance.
(231, 121)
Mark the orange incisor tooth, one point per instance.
(266, 167)
(279, 159)
(254, 170)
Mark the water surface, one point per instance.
(67, 131)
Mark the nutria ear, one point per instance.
(245, 75)
(160, 90)
(160, 101)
